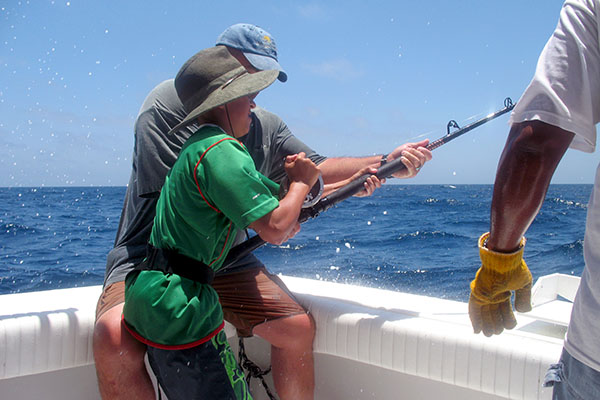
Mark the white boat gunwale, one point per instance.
(370, 343)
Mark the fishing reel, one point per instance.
(311, 198)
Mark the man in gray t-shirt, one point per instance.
(268, 142)
(246, 290)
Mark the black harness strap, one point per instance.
(171, 262)
(254, 371)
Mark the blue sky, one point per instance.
(364, 77)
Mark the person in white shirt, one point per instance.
(559, 109)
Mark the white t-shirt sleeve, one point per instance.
(565, 90)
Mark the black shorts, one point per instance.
(207, 371)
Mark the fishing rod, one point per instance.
(349, 190)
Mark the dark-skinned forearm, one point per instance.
(532, 152)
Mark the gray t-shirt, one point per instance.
(268, 142)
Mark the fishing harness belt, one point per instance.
(172, 262)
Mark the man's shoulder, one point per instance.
(162, 103)
(162, 94)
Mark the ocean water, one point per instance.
(416, 238)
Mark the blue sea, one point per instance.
(415, 238)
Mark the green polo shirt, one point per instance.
(212, 191)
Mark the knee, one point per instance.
(311, 328)
(106, 332)
(302, 329)
(295, 331)
(112, 343)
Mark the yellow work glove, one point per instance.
(490, 309)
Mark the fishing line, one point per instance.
(419, 136)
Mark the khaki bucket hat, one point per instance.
(212, 78)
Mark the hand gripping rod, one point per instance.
(385, 171)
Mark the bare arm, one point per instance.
(528, 161)
(339, 171)
(343, 168)
(282, 223)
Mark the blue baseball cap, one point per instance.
(257, 45)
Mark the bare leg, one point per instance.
(291, 341)
(119, 360)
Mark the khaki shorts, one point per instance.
(111, 296)
(251, 296)
(248, 296)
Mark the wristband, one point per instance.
(383, 160)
